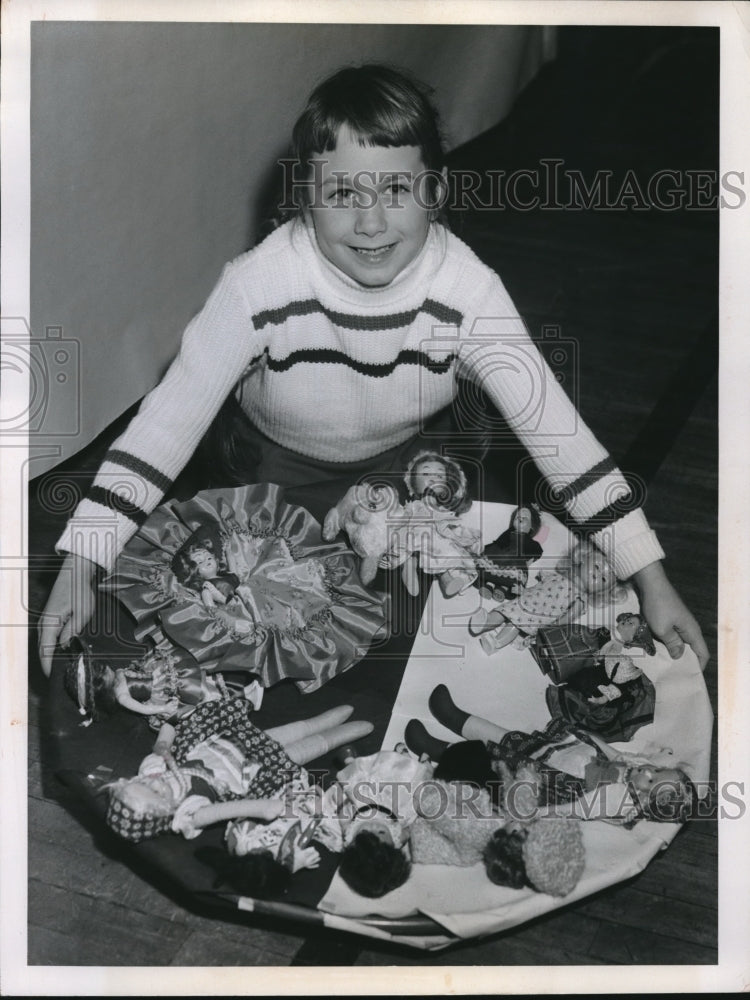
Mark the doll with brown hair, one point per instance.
(200, 566)
(582, 578)
(165, 684)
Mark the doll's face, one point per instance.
(431, 472)
(522, 521)
(627, 628)
(204, 562)
(596, 573)
(372, 820)
(149, 796)
(645, 778)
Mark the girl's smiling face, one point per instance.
(369, 208)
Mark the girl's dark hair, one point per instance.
(382, 106)
(371, 867)
(182, 564)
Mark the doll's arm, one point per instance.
(667, 614)
(165, 739)
(217, 812)
(574, 610)
(124, 698)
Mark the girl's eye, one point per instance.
(342, 196)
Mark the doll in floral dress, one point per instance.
(583, 577)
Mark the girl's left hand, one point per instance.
(667, 616)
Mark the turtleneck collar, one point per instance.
(416, 274)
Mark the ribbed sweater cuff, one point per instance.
(631, 550)
(96, 533)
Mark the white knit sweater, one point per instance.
(341, 372)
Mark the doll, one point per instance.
(216, 765)
(366, 816)
(424, 531)
(582, 577)
(597, 684)
(503, 565)
(378, 810)
(559, 771)
(165, 684)
(434, 538)
(199, 565)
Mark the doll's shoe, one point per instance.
(488, 644)
(421, 743)
(446, 711)
(455, 581)
(477, 622)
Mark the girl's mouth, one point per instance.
(374, 253)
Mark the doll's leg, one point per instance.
(455, 581)
(483, 621)
(471, 727)
(422, 743)
(293, 731)
(316, 744)
(497, 638)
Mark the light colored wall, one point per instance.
(150, 147)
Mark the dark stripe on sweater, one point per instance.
(608, 515)
(355, 321)
(139, 467)
(326, 356)
(112, 500)
(570, 492)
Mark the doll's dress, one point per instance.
(442, 541)
(542, 604)
(170, 674)
(511, 551)
(299, 610)
(569, 764)
(239, 760)
(389, 779)
(305, 803)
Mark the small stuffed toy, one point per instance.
(367, 515)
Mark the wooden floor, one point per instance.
(636, 293)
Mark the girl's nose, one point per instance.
(370, 221)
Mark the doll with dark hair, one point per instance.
(165, 684)
(372, 867)
(378, 810)
(545, 855)
(503, 564)
(200, 566)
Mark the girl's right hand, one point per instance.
(69, 608)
